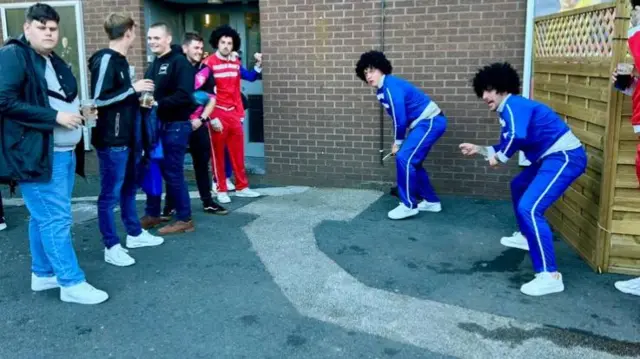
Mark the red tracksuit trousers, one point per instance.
(232, 136)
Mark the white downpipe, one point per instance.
(528, 62)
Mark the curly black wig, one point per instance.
(501, 77)
(374, 59)
(225, 31)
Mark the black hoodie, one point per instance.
(174, 78)
(117, 101)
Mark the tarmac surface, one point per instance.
(316, 273)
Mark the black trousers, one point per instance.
(200, 150)
(1, 207)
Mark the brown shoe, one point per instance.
(148, 222)
(177, 227)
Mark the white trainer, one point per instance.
(118, 256)
(402, 212)
(247, 192)
(631, 286)
(223, 197)
(83, 293)
(425, 206)
(230, 185)
(144, 239)
(39, 284)
(515, 241)
(543, 284)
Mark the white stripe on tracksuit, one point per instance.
(535, 205)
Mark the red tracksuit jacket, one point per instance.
(227, 75)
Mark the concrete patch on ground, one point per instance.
(283, 237)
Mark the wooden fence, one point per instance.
(575, 53)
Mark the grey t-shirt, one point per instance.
(63, 138)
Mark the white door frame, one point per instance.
(251, 149)
(82, 61)
(237, 21)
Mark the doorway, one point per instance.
(245, 20)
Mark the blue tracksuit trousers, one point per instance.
(534, 190)
(413, 180)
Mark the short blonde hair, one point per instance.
(116, 25)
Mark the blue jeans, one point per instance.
(117, 184)
(175, 138)
(49, 204)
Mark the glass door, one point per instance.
(248, 26)
(247, 23)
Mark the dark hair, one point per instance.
(161, 24)
(225, 31)
(191, 36)
(41, 13)
(501, 77)
(373, 59)
(635, 3)
(116, 25)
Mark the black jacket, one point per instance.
(173, 77)
(26, 118)
(117, 101)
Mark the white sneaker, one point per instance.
(631, 286)
(223, 197)
(402, 212)
(247, 192)
(39, 284)
(429, 206)
(544, 283)
(515, 241)
(118, 256)
(230, 185)
(144, 239)
(83, 293)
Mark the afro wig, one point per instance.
(497, 76)
(373, 59)
(225, 31)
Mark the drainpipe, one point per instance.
(528, 63)
(382, 18)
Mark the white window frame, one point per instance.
(82, 61)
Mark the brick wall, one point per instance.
(322, 123)
(95, 12)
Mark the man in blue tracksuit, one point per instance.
(411, 109)
(557, 160)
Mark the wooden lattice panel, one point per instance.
(583, 34)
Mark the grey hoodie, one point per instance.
(63, 139)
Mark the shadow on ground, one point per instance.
(455, 257)
(200, 295)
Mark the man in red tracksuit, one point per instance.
(226, 119)
(632, 286)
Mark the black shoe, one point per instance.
(214, 208)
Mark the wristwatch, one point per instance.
(204, 119)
